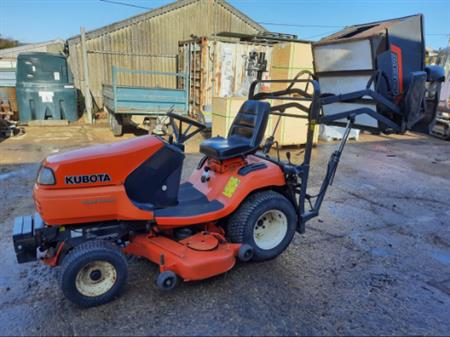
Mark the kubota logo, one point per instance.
(86, 179)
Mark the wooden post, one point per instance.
(86, 89)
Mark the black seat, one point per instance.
(245, 135)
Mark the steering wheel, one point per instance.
(183, 135)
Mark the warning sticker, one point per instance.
(46, 96)
(231, 187)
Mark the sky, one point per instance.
(43, 20)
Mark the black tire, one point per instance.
(167, 280)
(116, 124)
(245, 253)
(88, 255)
(241, 224)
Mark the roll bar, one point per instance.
(297, 175)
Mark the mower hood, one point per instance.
(107, 164)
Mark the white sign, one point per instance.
(46, 96)
(56, 76)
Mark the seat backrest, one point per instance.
(250, 122)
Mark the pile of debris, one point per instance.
(8, 127)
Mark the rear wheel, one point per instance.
(93, 273)
(265, 221)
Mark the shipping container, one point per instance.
(221, 68)
(228, 84)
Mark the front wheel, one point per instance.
(93, 273)
(265, 221)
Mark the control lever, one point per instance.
(292, 168)
(268, 144)
(288, 156)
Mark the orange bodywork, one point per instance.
(63, 204)
(77, 198)
(215, 188)
(190, 264)
(206, 254)
(67, 204)
(84, 205)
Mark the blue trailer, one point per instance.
(122, 102)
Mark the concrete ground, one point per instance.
(376, 261)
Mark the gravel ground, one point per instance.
(376, 261)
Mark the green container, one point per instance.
(45, 88)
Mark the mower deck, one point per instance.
(196, 258)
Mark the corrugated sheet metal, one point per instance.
(363, 31)
(7, 73)
(54, 46)
(150, 42)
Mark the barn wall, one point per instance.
(150, 42)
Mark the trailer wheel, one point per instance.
(116, 124)
(93, 273)
(265, 221)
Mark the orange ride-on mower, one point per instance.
(96, 205)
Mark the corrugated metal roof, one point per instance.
(40, 46)
(264, 37)
(363, 30)
(160, 11)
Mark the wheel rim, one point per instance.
(168, 283)
(270, 229)
(96, 278)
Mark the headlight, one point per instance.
(46, 176)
